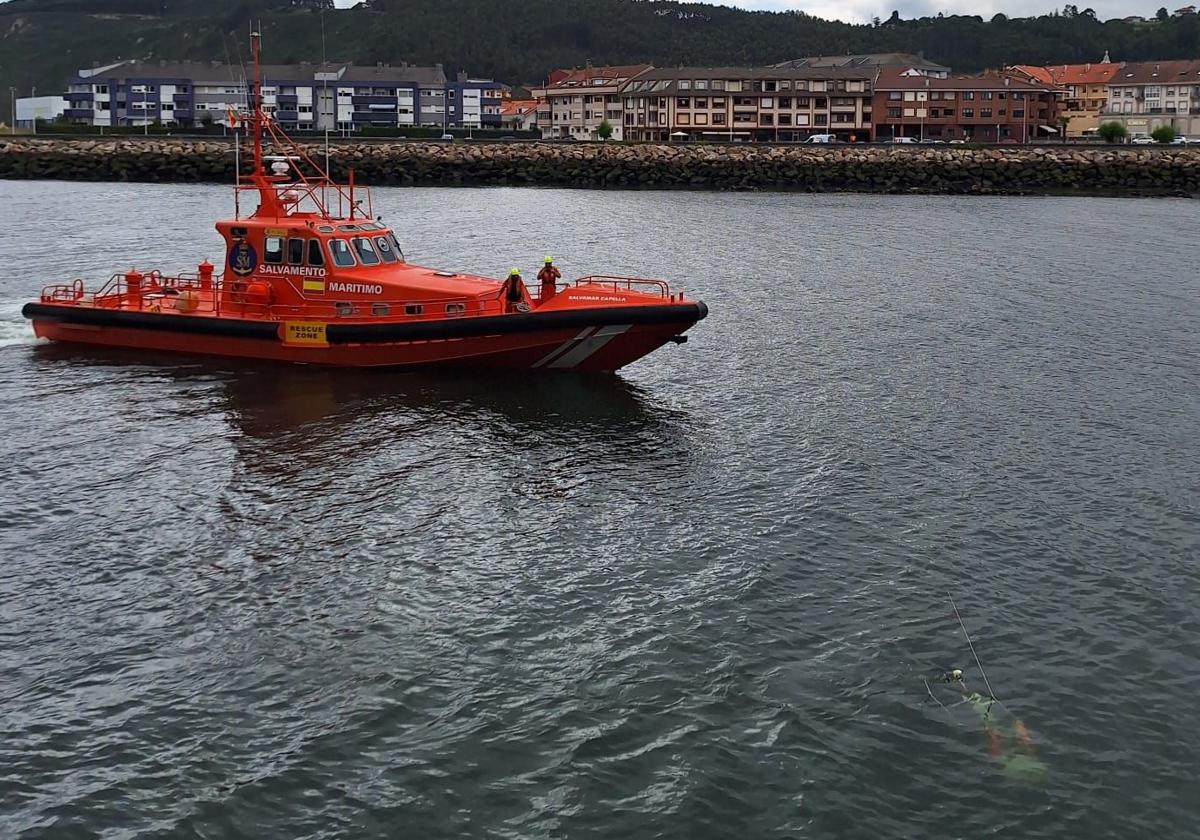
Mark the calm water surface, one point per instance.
(696, 600)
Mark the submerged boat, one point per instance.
(312, 276)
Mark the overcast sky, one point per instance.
(861, 11)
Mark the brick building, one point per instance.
(987, 109)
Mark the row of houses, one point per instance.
(868, 97)
(854, 98)
(334, 97)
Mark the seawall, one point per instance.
(1087, 170)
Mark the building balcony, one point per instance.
(289, 115)
(358, 101)
(181, 98)
(286, 99)
(79, 113)
(80, 95)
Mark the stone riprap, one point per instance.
(1098, 170)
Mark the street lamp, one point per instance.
(12, 93)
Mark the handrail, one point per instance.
(628, 283)
(224, 294)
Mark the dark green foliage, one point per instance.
(605, 130)
(43, 42)
(1112, 132)
(1163, 134)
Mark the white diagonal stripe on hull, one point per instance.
(563, 347)
(589, 346)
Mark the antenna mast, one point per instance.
(256, 99)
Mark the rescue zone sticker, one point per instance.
(311, 333)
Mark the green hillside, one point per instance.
(42, 42)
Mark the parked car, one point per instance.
(1142, 140)
(821, 138)
(446, 137)
(1184, 141)
(928, 141)
(958, 142)
(904, 139)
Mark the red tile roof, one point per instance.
(1070, 74)
(581, 77)
(1158, 72)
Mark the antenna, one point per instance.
(325, 99)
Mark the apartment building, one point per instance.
(747, 104)
(343, 97)
(578, 101)
(1146, 95)
(1085, 91)
(987, 109)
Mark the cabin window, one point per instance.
(325, 228)
(385, 249)
(339, 249)
(380, 309)
(273, 250)
(413, 309)
(366, 254)
(295, 252)
(315, 256)
(455, 308)
(396, 245)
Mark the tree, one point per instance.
(1162, 14)
(605, 130)
(1112, 132)
(1163, 134)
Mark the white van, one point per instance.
(904, 139)
(821, 138)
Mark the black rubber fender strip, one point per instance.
(684, 314)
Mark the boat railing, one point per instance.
(631, 284)
(190, 293)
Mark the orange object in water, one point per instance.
(1022, 735)
(995, 743)
(313, 276)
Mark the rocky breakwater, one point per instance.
(1098, 170)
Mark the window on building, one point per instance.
(767, 102)
(854, 86)
(718, 84)
(685, 84)
(893, 113)
(785, 119)
(718, 119)
(785, 102)
(683, 119)
(967, 94)
(766, 119)
(702, 84)
(718, 102)
(733, 85)
(987, 94)
(819, 85)
(801, 85)
(785, 84)
(701, 102)
(968, 113)
(985, 112)
(701, 119)
(910, 112)
(803, 101)
(683, 102)
(821, 119)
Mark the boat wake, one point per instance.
(14, 329)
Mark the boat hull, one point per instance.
(579, 339)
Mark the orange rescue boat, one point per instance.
(311, 276)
